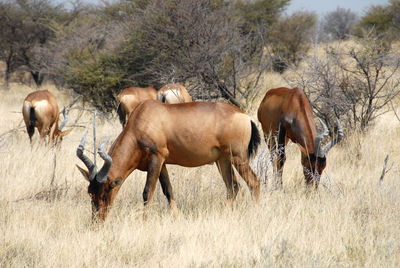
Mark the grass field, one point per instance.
(353, 220)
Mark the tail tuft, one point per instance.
(121, 115)
(32, 122)
(255, 141)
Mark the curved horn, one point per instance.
(102, 175)
(64, 122)
(88, 163)
(334, 141)
(317, 141)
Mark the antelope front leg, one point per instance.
(153, 172)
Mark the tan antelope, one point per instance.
(173, 93)
(40, 110)
(186, 134)
(286, 114)
(130, 97)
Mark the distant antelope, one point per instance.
(173, 93)
(286, 114)
(130, 97)
(40, 110)
(186, 134)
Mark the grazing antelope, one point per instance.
(40, 110)
(286, 114)
(129, 98)
(186, 134)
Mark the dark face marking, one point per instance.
(313, 167)
(320, 164)
(100, 194)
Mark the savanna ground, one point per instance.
(353, 220)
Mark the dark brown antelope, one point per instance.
(286, 114)
(186, 134)
(40, 110)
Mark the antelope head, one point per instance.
(316, 161)
(100, 187)
(60, 134)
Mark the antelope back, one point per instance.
(288, 108)
(173, 93)
(130, 97)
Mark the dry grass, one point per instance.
(351, 221)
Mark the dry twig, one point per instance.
(384, 169)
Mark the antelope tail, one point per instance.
(121, 115)
(161, 97)
(254, 141)
(32, 120)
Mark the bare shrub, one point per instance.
(354, 82)
(187, 40)
(339, 24)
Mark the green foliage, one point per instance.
(290, 37)
(97, 78)
(11, 23)
(383, 20)
(259, 13)
(25, 32)
(256, 17)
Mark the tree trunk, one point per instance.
(37, 77)
(228, 95)
(6, 76)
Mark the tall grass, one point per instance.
(352, 220)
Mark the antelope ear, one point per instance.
(84, 172)
(116, 182)
(65, 132)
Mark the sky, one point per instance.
(321, 7)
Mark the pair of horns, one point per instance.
(321, 152)
(65, 113)
(100, 176)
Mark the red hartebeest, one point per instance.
(286, 114)
(186, 134)
(130, 97)
(40, 110)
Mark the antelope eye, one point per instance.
(312, 157)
